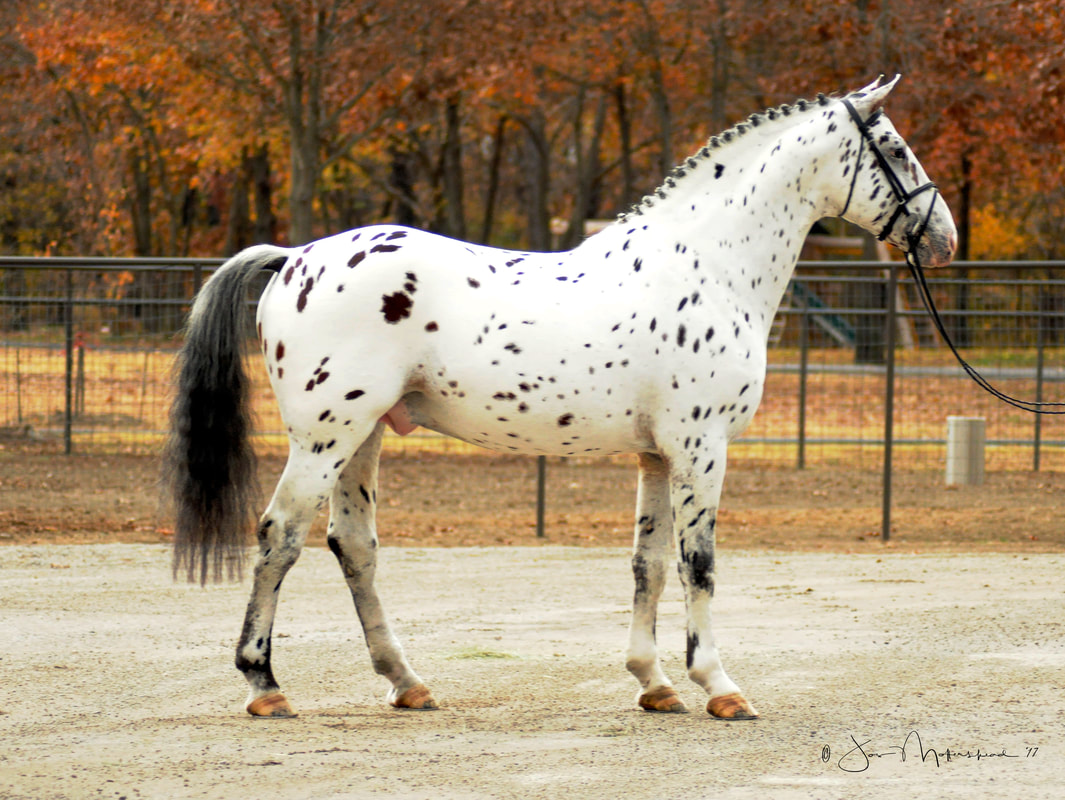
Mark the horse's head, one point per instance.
(890, 194)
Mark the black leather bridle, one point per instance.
(913, 238)
(903, 196)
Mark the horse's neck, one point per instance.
(746, 207)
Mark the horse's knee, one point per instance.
(698, 574)
(356, 557)
(696, 564)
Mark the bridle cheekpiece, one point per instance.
(912, 237)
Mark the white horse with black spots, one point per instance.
(648, 338)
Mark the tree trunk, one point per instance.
(140, 204)
(401, 183)
(628, 180)
(869, 330)
(303, 112)
(660, 102)
(589, 164)
(190, 200)
(493, 179)
(304, 187)
(721, 73)
(536, 160)
(962, 337)
(649, 42)
(265, 230)
(238, 225)
(454, 203)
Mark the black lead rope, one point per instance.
(925, 294)
(912, 240)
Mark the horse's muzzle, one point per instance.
(937, 250)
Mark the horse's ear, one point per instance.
(872, 97)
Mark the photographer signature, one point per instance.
(859, 757)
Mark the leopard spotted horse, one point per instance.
(648, 338)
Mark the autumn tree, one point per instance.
(324, 69)
(206, 125)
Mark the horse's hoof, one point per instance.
(417, 697)
(662, 699)
(731, 706)
(274, 705)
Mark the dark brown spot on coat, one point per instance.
(301, 301)
(355, 260)
(354, 394)
(396, 307)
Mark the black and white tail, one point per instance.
(209, 465)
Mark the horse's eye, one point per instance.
(898, 153)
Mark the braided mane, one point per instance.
(718, 142)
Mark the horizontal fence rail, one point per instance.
(87, 346)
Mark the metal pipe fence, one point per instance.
(86, 348)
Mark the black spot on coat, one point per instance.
(301, 301)
(396, 307)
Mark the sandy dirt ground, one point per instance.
(456, 500)
(878, 675)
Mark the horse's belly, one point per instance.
(514, 425)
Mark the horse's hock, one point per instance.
(966, 437)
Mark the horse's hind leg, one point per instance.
(651, 552)
(353, 540)
(302, 490)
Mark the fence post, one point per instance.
(1040, 341)
(68, 323)
(804, 361)
(18, 382)
(541, 481)
(79, 381)
(889, 396)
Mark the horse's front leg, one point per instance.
(353, 540)
(651, 550)
(695, 490)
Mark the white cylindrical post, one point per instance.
(965, 450)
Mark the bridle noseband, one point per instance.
(913, 237)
